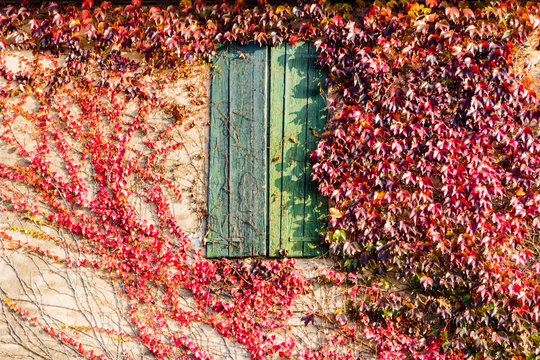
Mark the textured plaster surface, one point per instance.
(80, 300)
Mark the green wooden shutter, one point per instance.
(237, 168)
(297, 114)
(266, 109)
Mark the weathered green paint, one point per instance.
(315, 204)
(275, 179)
(237, 189)
(218, 167)
(250, 84)
(295, 118)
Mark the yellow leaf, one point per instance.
(283, 8)
(520, 192)
(335, 213)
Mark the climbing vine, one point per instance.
(430, 160)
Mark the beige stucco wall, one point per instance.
(79, 299)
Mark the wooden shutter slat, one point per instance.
(248, 151)
(260, 141)
(238, 154)
(314, 202)
(218, 178)
(275, 171)
(294, 128)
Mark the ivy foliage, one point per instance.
(431, 161)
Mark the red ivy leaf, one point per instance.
(87, 4)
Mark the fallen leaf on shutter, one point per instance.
(293, 139)
(275, 158)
